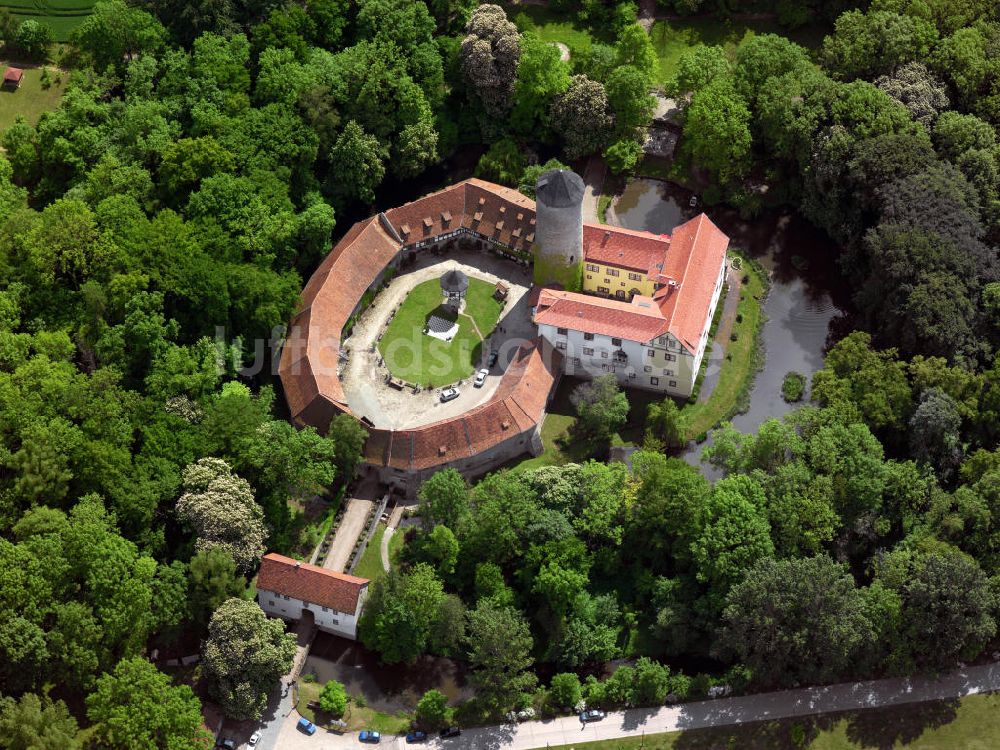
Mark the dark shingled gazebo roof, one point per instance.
(454, 282)
(560, 188)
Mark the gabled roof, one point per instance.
(642, 252)
(310, 583)
(638, 320)
(517, 405)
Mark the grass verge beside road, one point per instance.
(973, 723)
(370, 564)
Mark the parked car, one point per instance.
(449, 394)
(254, 739)
(481, 378)
(416, 736)
(372, 738)
(226, 744)
(450, 732)
(494, 356)
(307, 726)
(592, 714)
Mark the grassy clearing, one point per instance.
(357, 717)
(31, 100)
(970, 724)
(741, 361)
(672, 38)
(554, 26)
(370, 564)
(417, 358)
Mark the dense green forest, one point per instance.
(155, 231)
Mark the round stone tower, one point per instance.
(559, 229)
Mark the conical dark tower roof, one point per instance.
(560, 188)
(454, 281)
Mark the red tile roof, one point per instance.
(310, 583)
(517, 406)
(697, 254)
(613, 246)
(12, 75)
(638, 320)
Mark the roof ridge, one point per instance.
(277, 557)
(687, 264)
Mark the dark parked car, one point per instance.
(494, 356)
(593, 714)
(450, 732)
(226, 744)
(372, 738)
(416, 736)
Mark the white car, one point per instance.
(448, 394)
(254, 739)
(480, 378)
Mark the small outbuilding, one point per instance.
(454, 284)
(12, 77)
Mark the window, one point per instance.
(654, 381)
(561, 345)
(647, 368)
(306, 605)
(612, 272)
(561, 331)
(588, 337)
(335, 621)
(607, 281)
(576, 361)
(670, 357)
(631, 376)
(650, 353)
(593, 267)
(270, 602)
(668, 372)
(603, 289)
(616, 342)
(635, 276)
(589, 276)
(673, 383)
(325, 609)
(621, 283)
(608, 368)
(587, 351)
(286, 597)
(604, 355)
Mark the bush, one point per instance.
(734, 336)
(565, 690)
(432, 710)
(793, 387)
(33, 39)
(333, 698)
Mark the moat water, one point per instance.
(806, 289)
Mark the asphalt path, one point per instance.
(720, 712)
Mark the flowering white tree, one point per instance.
(220, 507)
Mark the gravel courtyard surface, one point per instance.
(364, 378)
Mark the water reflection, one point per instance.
(806, 287)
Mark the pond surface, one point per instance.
(807, 290)
(386, 687)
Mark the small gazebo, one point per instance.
(454, 284)
(12, 77)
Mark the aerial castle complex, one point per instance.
(606, 300)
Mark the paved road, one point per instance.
(593, 180)
(352, 525)
(715, 713)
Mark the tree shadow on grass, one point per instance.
(791, 734)
(899, 725)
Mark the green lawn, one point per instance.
(970, 724)
(370, 564)
(672, 38)
(357, 717)
(554, 26)
(31, 99)
(418, 358)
